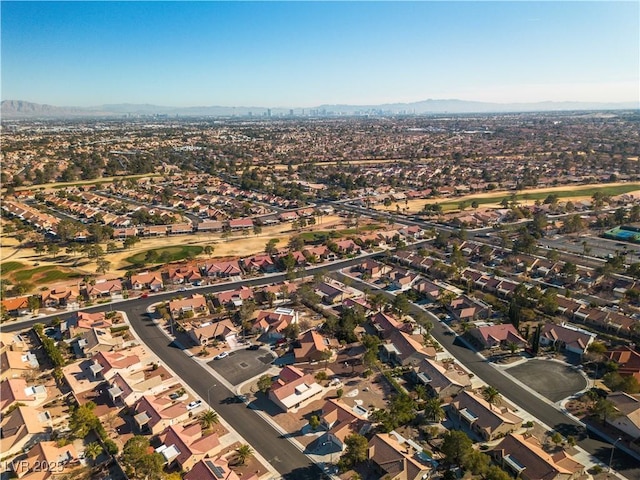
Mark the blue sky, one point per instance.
(303, 54)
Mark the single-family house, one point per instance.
(487, 420)
(524, 457)
(339, 420)
(628, 418)
(195, 305)
(184, 446)
(104, 289)
(155, 413)
(442, 379)
(396, 461)
(22, 428)
(150, 280)
(313, 347)
(566, 337)
(294, 389)
(46, 453)
(17, 364)
(215, 469)
(208, 332)
(495, 336)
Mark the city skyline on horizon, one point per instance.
(306, 54)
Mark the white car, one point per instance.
(194, 404)
(222, 355)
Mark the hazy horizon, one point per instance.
(306, 54)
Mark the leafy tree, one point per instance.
(314, 422)
(604, 409)
(456, 446)
(477, 462)
(556, 438)
(270, 247)
(355, 452)
(139, 462)
(83, 420)
(264, 383)
(496, 473)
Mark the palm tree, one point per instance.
(433, 410)
(93, 450)
(421, 392)
(243, 452)
(491, 395)
(208, 419)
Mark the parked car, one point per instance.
(194, 404)
(253, 346)
(221, 355)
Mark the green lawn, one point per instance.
(8, 267)
(167, 254)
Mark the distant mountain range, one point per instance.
(17, 109)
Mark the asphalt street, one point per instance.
(534, 404)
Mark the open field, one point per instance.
(526, 197)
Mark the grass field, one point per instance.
(533, 195)
(167, 254)
(44, 274)
(310, 237)
(8, 267)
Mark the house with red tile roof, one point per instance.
(488, 421)
(153, 414)
(60, 296)
(627, 359)
(184, 446)
(339, 420)
(234, 297)
(275, 322)
(294, 389)
(16, 305)
(495, 336)
(151, 280)
(16, 390)
(104, 289)
(22, 428)
(394, 460)
(196, 303)
(215, 469)
(566, 337)
(187, 275)
(313, 347)
(524, 457)
(46, 453)
(222, 269)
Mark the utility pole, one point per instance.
(613, 449)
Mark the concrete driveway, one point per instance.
(554, 380)
(243, 364)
